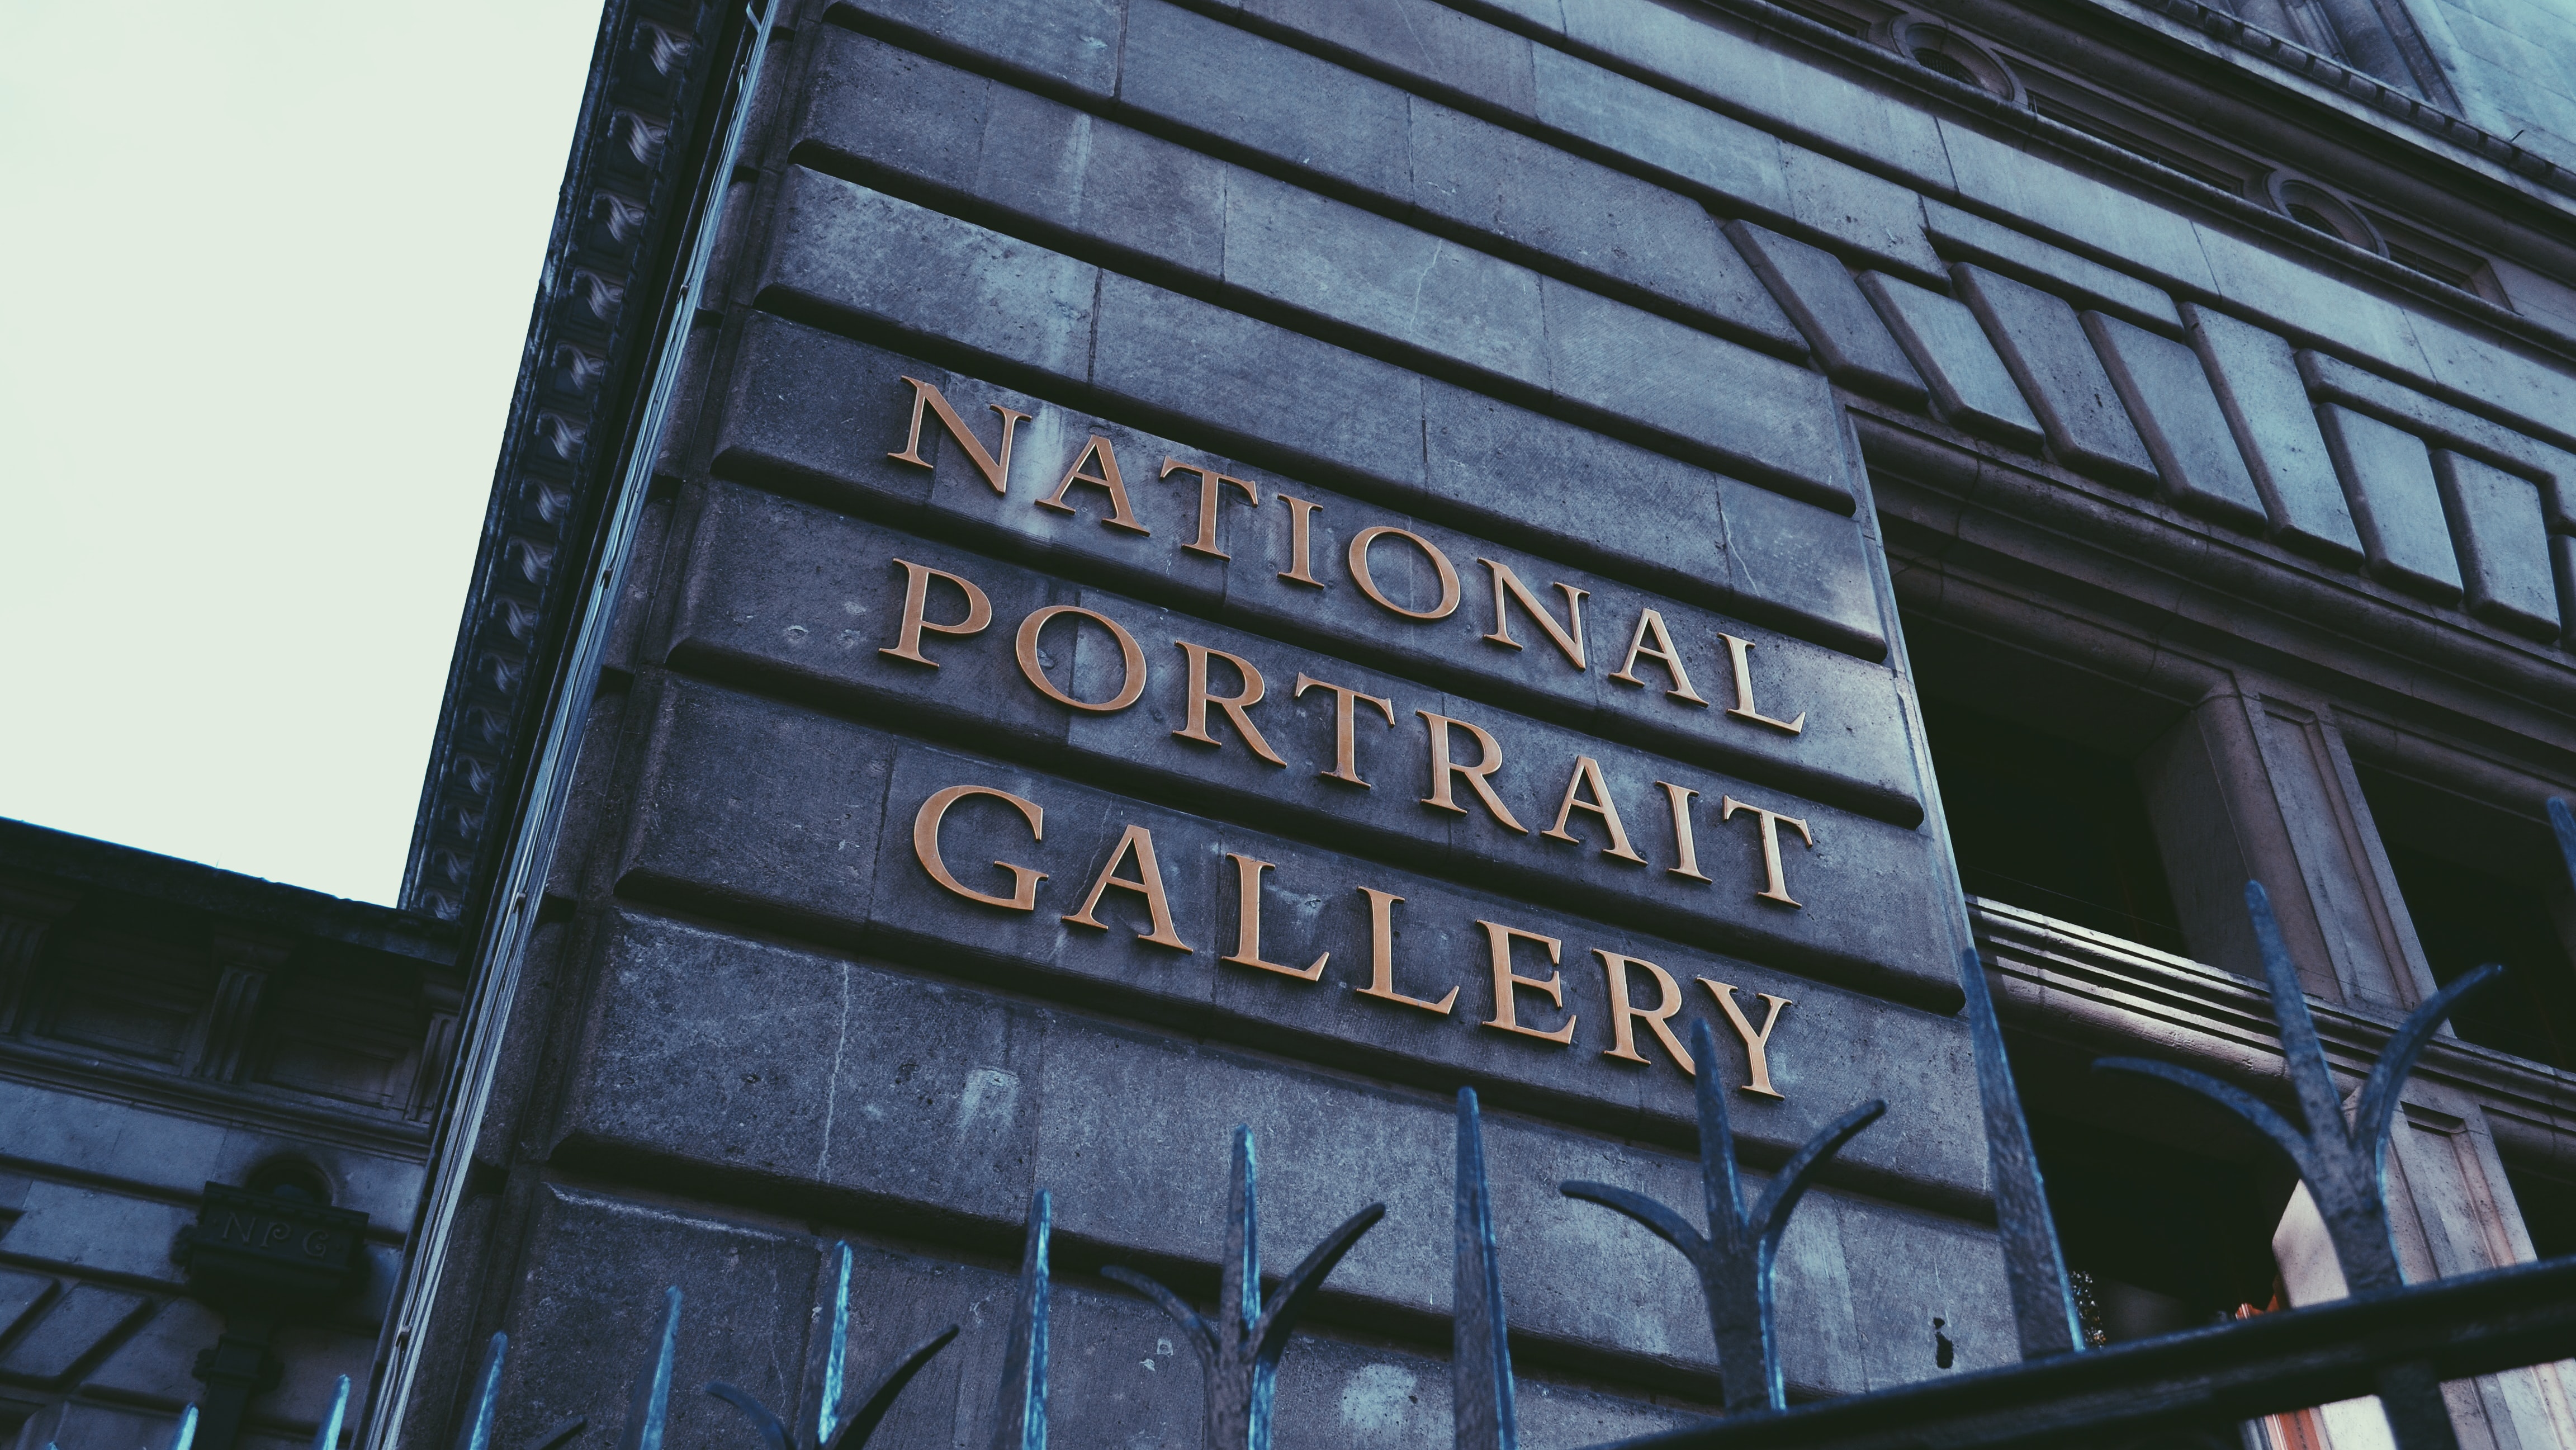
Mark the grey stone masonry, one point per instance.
(2259, 386)
(1850, 747)
(2504, 555)
(1971, 388)
(1861, 911)
(2331, 379)
(1433, 51)
(1491, 467)
(755, 1099)
(2179, 418)
(166, 1027)
(1500, 188)
(1967, 237)
(1322, 264)
(2042, 343)
(2562, 552)
(1123, 1379)
(1848, 338)
(2388, 477)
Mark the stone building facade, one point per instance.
(181, 1046)
(1180, 564)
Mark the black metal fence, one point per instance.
(2389, 1339)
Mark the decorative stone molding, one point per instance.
(581, 365)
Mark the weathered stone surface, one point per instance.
(1128, 1131)
(1756, 551)
(1271, 99)
(817, 594)
(2332, 380)
(2503, 544)
(1851, 342)
(1340, 269)
(587, 1320)
(1967, 237)
(2048, 198)
(2388, 477)
(1453, 55)
(1971, 390)
(858, 253)
(1117, 1373)
(1612, 225)
(1072, 48)
(1198, 73)
(1701, 55)
(789, 830)
(827, 1065)
(1502, 470)
(2276, 431)
(2043, 344)
(2169, 397)
(2562, 552)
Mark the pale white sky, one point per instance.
(270, 267)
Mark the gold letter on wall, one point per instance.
(1382, 957)
(925, 846)
(916, 609)
(1147, 883)
(1498, 942)
(1756, 1044)
(996, 469)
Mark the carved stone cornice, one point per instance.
(578, 388)
(2066, 982)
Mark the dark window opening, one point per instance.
(2479, 884)
(2050, 825)
(2547, 1198)
(2465, 918)
(2166, 1206)
(2314, 220)
(1943, 65)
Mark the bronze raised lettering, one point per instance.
(1382, 957)
(1651, 622)
(1738, 650)
(1443, 770)
(1625, 1015)
(1097, 465)
(1506, 1018)
(1247, 930)
(1685, 844)
(925, 846)
(1147, 883)
(1233, 705)
(1209, 480)
(1756, 1044)
(1775, 882)
(916, 602)
(1587, 776)
(1301, 542)
(1024, 646)
(996, 468)
(1359, 558)
(1568, 638)
(1346, 764)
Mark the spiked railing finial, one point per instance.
(1239, 1350)
(1735, 1257)
(852, 1434)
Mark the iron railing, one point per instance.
(2389, 1339)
